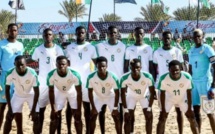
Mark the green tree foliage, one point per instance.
(109, 18)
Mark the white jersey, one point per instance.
(103, 88)
(144, 53)
(137, 89)
(175, 90)
(115, 56)
(64, 84)
(47, 60)
(23, 84)
(162, 58)
(80, 57)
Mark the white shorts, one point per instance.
(61, 98)
(183, 106)
(85, 96)
(131, 102)
(44, 96)
(99, 102)
(17, 103)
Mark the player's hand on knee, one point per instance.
(54, 115)
(77, 115)
(149, 115)
(93, 112)
(115, 113)
(127, 116)
(190, 114)
(163, 115)
(211, 93)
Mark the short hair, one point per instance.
(166, 32)
(79, 28)
(112, 27)
(174, 63)
(19, 57)
(11, 25)
(46, 30)
(138, 28)
(101, 59)
(198, 31)
(61, 57)
(134, 61)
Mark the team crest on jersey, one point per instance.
(15, 51)
(69, 81)
(27, 81)
(181, 85)
(118, 50)
(85, 49)
(145, 51)
(173, 56)
(201, 51)
(143, 83)
(107, 84)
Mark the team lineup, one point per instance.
(120, 78)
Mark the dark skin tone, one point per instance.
(139, 35)
(12, 34)
(175, 74)
(102, 73)
(21, 70)
(129, 117)
(167, 39)
(81, 35)
(113, 40)
(62, 71)
(198, 39)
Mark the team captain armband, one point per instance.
(212, 59)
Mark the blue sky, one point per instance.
(47, 10)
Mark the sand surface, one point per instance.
(171, 125)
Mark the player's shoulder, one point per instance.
(113, 75)
(32, 71)
(100, 44)
(146, 74)
(164, 76)
(125, 76)
(10, 71)
(93, 74)
(120, 43)
(186, 74)
(52, 72)
(74, 72)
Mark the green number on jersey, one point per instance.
(112, 58)
(80, 55)
(139, 57)
(138, 91)
(64, 88)
(103, 90)
(167, 63)
(196, 64)
(177, 92)
(48, 60)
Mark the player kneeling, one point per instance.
(60, 82)
(103, 88)
(175, 88)
(26, 90)
(140, 88)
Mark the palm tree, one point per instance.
(190, 13)
(153, 13)
(69, 10)
(6, 17)
(110, 17)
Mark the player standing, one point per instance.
(80, 55)
(140, 88)
(175, 88)
(201, 57)
(114, 51)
